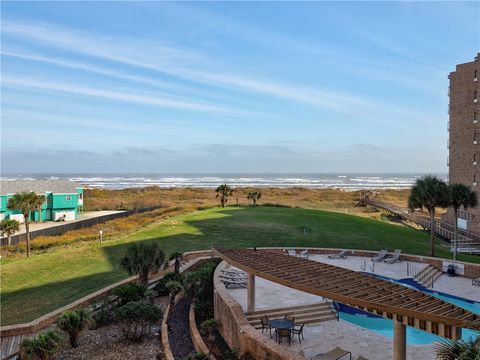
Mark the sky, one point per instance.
(230, 87)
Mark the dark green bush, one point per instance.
(43, 346)
(160, 286)
(197, 356)
(130, 292)
(136, 318)
(103, 315)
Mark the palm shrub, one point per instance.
(177, 256)
(136, 319)
(130, 292)
(103, 314)
(429, 192)
(208, 328)
(254, 196)
(460, 195)
(142, 258)
(173, 287)
(459, 349)
(8, 227)
(160, 286)
(74, 322)
(44, 346)
(224, 191)
(25, 202)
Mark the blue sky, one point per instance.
(165, 87)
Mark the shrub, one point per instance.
(160, 286)
(136, 319)
(43, 346)
(73, 322)
(197, 356)
(130, 292)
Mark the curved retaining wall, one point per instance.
(197, 339)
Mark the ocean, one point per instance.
(317, 181)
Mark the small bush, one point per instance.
(73, 322)
(160, 286)
(43, 346)
(197, 356)
(136, 318)
(130, 292)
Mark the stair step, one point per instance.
(287, 309)
(297, 316)
(281, 313)
(306, 320)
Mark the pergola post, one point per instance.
(399, 340)
(251, 293)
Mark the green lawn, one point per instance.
(32, 287)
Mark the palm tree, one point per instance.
(25, 202)
(459, 349)
(40, 199)
(254, 196)
(460, 195)
(73, 322)
(177, 256)
(224, 191)
(143, 258)
(8, 227)
(173, 287)
(429, 192)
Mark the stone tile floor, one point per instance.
(321, 338)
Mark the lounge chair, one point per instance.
(476, 282)
(232, 273)
(335, 354)
(234, 282)
(292, 252)
(342, 255)
(380, 256)
(303, 254)
(394, 258)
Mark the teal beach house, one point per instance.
(64, 199)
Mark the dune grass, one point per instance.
(34, 286)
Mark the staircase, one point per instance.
(466, 246)
(307, 314)
(427, 276)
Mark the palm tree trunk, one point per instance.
(9, 239)
(432, 232)
(27, 233)
(455, 231)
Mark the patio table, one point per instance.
(282, 324)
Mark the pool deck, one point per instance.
(320, 338)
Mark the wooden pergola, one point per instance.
(405, 306)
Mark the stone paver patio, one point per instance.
(320, 338)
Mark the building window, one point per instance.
(68, 198)
(80, 196)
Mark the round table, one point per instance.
(281, 324)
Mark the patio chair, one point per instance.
(304, 254)
(292, 252)
(380, 256)
(289, 317)
(283, 333)
(266, 324)
(234, 282)
(341, 255)
(394, 258)
(298, 330)
(476, 282)
(335, 354)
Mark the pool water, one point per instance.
(415, 336)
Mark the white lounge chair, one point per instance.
(303, 254)
(292, 252)
(234, 282)
(394, 258)
(380, 256)
(341, 255)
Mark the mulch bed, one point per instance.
(179, 338)
(107, 343)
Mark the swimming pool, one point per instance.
(415, 336)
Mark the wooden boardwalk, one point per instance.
(10, 346)
(467, 241)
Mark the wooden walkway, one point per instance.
(467, 241)
(10, 346)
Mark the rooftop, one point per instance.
(37, 186)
